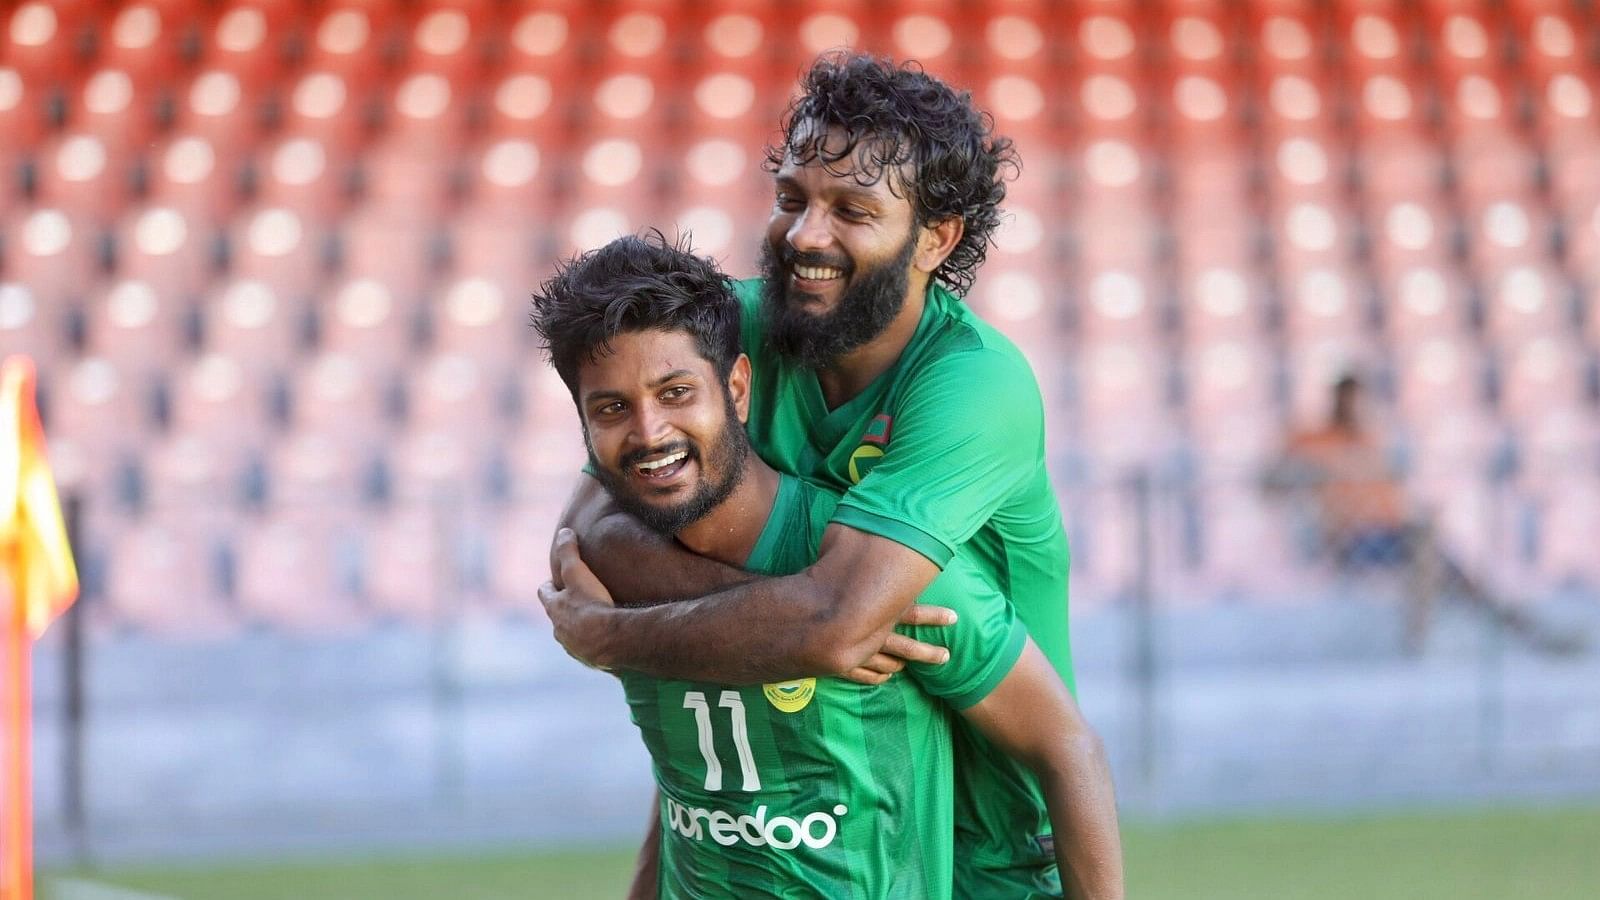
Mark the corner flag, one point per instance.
(43, 582)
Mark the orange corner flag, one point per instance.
(43, 583)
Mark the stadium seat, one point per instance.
(295, 573)
(305, 175)
(1244, 546)
(519, 551)
(170, 251)
(1314, 366)
(1122, 393)
(186, 174)
(148, 40)
(415, 179)
(279, 248)
(1119, 303)
(135, 326)
(351, 40)
(161, 579)
(542, 39)
(526, 106)
(43, 41)
(222, 401)
(1523, 301)
(1228, 389)
(247, 39)
(192, 477)
(1424, 301)
(251, 322)
(1440, 375)
(56, 253)
(317, 475)
(483, 319)
(214, 105)
(99, 407)
(333, 395)
(426, 112)
(448, 39)
(405, 568)
(370, 320)
(1410, 231)
(84, 176)
(1541, 375)
(118, 110)
(1569, 519)
(330, 108)
(1220, 300)
(1508, 233)
(1324, 302)
(454, 393)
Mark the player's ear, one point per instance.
(937, 241)
(739, 387)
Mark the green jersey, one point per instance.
(819, 787)
(944, 452)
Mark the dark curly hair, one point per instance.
(635, 283)
(898, 115)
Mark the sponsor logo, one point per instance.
(790, 696)
(815, 830)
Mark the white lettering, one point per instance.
(816, 830)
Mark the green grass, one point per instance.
(1527, 855)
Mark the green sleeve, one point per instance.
(984, 643)
(967, 432)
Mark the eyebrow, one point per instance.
(674, 375)
(857, 193)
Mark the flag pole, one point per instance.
(16, 791)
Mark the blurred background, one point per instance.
(273, 260)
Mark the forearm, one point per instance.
(640, 567)
(647, 869)
(1083, 817)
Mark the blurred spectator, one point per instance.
(1366, 522)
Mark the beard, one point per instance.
(865, 309)
(727, 458)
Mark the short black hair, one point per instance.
(635, 283)
(902, 115)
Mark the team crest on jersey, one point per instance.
(873, 440)
(790, 696)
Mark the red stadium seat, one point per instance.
(415, 179)
(1310, 235)
(329, 108)
(925, 32)
(351, 39)
(1401, 165)
(82, 174)
(484, 320)
(1108, 104)
(186, 174)
(526, 106)
(390, 243)
(427, 112)
(43, 41)
(1296, 104)
(56, 253)
(281, 249)
(1306, 167)
(1105, 37)
(499, 243)
(1493, 165)
(542, 39)
(116, 108)
(1564, 109)
(254, 324)
(449, 39)
(146, 40)
(214, 105)
(248, 39)
(1375, 39)
(22, 122)
(505, 179)
(306, 175)
(1464, 41)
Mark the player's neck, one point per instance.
(730, 530)
(854, 372)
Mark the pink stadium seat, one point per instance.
(1464, 40)
(289, 570)
(1108, 104)
(925, 31)
(1201, 109)
(1113, 173)
(1541, 375)
(97, 406)
(1410, 231)
(42, 40)
(454, 393)
(426, 111)
(116, 108)
(519, 552)
(160, 579)
(1570, 518)
(22, 121)
(330, 108)
(1230, 405)
(527, 106)
(145, 39)
(1220, 300)
(545, 450)
(483, 319)
(304, 174)
(1310, 166)
(185, 173)
(1563, 106)
(368, 319)
(334, 396)
(310, 472)
(413, 178)
(1524, 301)
(159, 245)
(1384, 103)
(83, 175)
(638, 36)
(1401, 165)
(507, 178)
(1376, 38)
(542, 39)
(1121, 390)
(1550, 37)
(221, 400)
(1508, 233)
(191, 476)
(1289, 37)
(499, 242)
(214, 105)
(1118, 303)
(1209, 175)
(27, 326)
(1323, 302)
(404, 564)
(1450, 442)
(1558, 443)
(135, 326)
(1424, 301)
(1307, 235)
(54, 252)
(1440, 375)
(1105, 37)
(247, 39)
(254, 324)
(1493, 165)
(438, 464)
(280, 248)
(1244, 544)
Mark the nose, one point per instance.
(809, 231)
(651, 427)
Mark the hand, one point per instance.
(898, 649)
(575, 601)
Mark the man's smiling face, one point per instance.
(666, 434)
(837, 255)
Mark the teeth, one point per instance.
(817, 273)
(664, 461)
